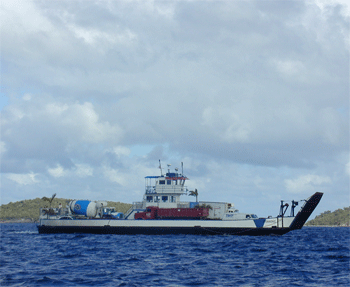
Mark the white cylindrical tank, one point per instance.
(101, 203)
(83, 207)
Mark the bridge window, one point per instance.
(149, 198)
(156, 198)
(164, 198)
(168, 182)
(162, 182)
(172, 199)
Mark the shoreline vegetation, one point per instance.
(339, 217)
(27, 211)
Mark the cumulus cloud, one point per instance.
(49, 131)
(80, 170)
(257, 88)
(57, 171)
(23, 179)
(306, 183)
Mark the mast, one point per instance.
(160, 167)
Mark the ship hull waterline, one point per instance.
(163, 230)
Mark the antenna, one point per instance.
(182, 168)
(169, 167)
(160, 167)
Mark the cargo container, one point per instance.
(154, 212)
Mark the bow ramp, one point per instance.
(305, 212)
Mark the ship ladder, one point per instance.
(129, 212)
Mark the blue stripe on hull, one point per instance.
(259, 222)
(162, 230)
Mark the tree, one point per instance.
(49, 199)
(194, 193)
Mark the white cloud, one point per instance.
(324, 4)
(27, 97)
(347, 168)
(290, 68)
(121, 151)
(2, 147)
(57, 171)
(84, 170)
(23, 179)
(83, 119)
(308, 182)
(114, 175)
(80, 170)
(23, 17)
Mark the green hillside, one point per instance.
(29, 209)
(340, 217)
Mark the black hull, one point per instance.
(163, 230)
(304, 214)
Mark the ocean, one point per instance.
(312, 256)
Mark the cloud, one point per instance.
(252, 96)
(23, 179)
(307, 182)
(84, 170)
(80, 170)
(46, 131)
(2, 147)
(347, 168)
(56, 172)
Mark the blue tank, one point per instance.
(84, 207)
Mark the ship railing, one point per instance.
(135, 205)
(131, 209)
(150, 189)
(172, 189)
(53, 212)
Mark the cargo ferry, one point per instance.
(162, 212)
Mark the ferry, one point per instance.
(162, 212)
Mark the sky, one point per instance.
(252, 97)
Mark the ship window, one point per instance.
(162, 182)
(168, 182)
(149, 198)
(156, 198)
(247, 216)
(172, 199)
(164, 198)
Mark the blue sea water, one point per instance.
(313, 256)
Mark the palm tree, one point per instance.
(49, 199)
(194, 193)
